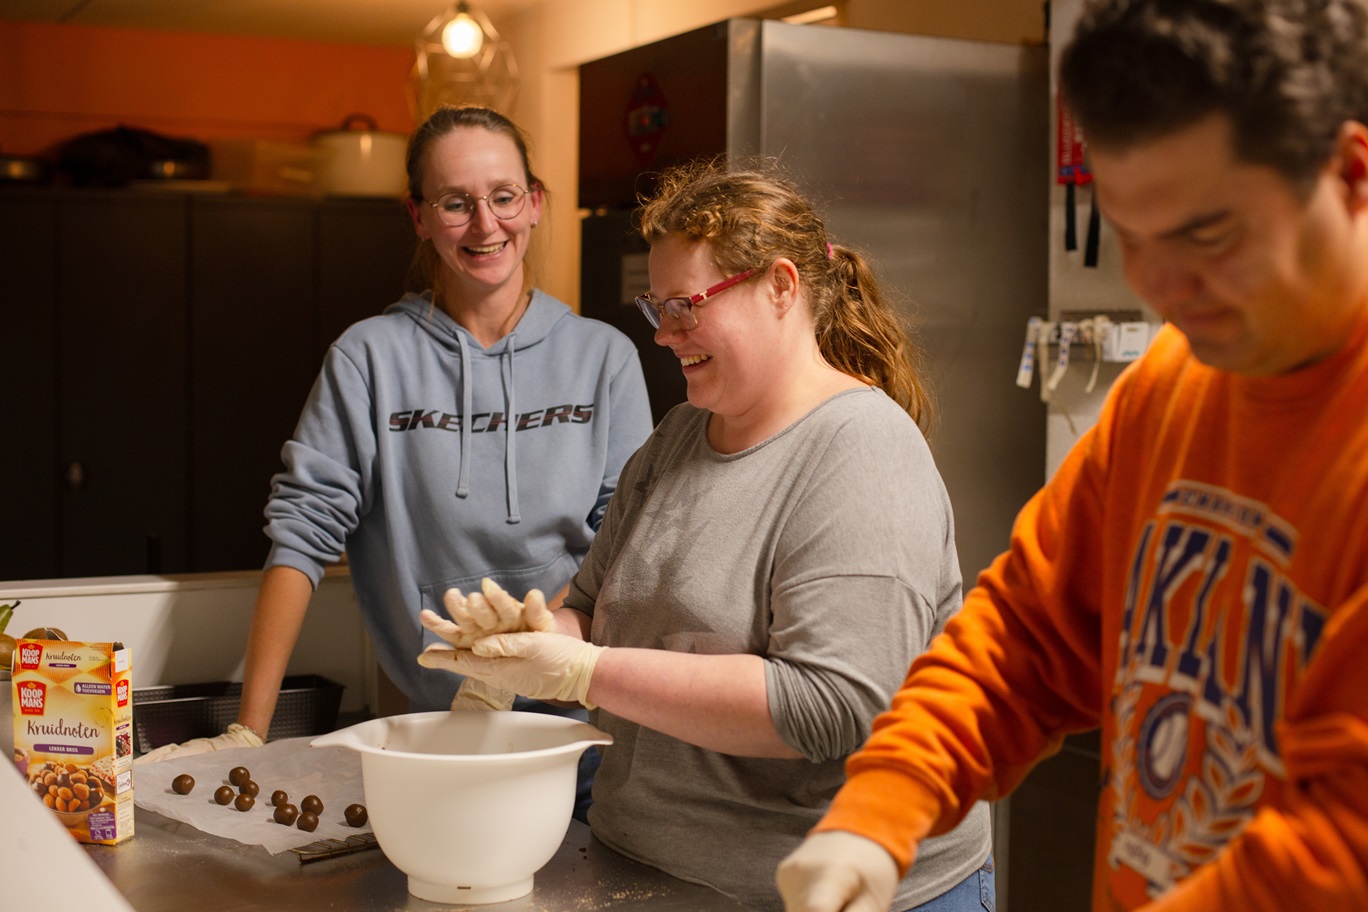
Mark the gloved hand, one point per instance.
(543, 666)
(488, 612)
(235, 736)
(835, 871)
(477, 696)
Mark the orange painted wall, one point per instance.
(57, 81)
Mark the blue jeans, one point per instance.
(976, 893)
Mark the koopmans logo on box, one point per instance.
(121, 693)
(32, 697)
(30, 656)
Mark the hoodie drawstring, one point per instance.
(510, 461)
(467, 404)
(510, 418)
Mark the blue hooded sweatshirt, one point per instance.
(433, 462)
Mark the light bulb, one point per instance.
(462, 36)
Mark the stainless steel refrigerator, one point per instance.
(929, 154)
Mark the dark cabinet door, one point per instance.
(28, 387)
(364, 248)
(160, 349)
(122, 388)
(251, 361)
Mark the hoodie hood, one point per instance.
(542, 314)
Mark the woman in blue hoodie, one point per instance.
(474, 430)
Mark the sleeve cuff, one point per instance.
(892, 808)
(282, 556)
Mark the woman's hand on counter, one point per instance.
(235, 736)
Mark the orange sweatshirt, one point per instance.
(1194, 580)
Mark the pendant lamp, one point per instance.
(461, 59)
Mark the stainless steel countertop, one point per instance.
(170, 866)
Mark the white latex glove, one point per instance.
(837, 871)
(477, 696)
(484, 613)
(543, 666)
(235, 736)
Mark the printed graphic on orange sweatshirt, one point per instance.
(1214, 634)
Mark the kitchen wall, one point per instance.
(57, 81)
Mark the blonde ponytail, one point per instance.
(861, 335)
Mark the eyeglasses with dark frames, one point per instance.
(456, 208)
(682, 309)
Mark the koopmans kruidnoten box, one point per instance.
(73, 733)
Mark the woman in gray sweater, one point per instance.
(774, 557)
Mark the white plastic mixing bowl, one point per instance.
(469, 804)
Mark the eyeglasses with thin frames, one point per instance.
(682, 309)
(456, 208)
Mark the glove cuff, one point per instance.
(476, 695)
(583, 672)
(246, 732)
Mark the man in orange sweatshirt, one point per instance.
(1194, 579)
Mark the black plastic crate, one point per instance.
(169, 714)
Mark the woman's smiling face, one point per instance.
(486, 253)
(724, 358)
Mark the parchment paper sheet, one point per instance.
(331, 773)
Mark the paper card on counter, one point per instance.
(331, 773)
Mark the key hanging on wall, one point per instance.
(1067, 331)
(1026, 368)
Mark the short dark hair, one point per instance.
(1287, 74)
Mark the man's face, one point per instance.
(1260, 280)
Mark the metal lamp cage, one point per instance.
(489, 77)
